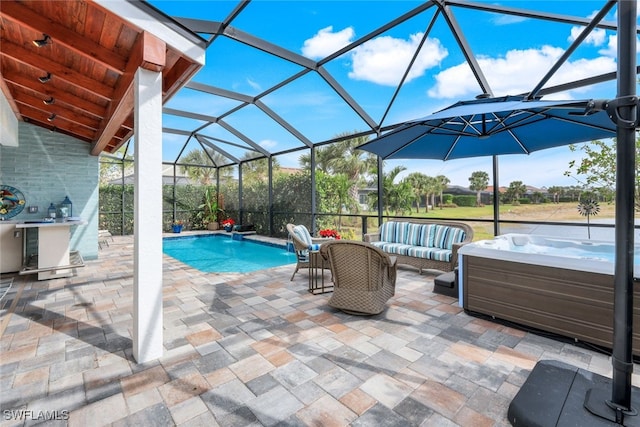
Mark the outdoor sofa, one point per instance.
(422, 243)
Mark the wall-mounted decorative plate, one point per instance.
(11, 201)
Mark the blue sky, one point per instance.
(513, 52)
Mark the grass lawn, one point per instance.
(566, 211)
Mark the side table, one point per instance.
(317, 262)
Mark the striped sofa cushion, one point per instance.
(414, 234)
(435, 254)
(444, 236)
(394, 232)
(393, 248)
(388, 231)
(427, 236)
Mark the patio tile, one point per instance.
(275, 406)
(156, 415)
(416, 413)
(386, 390)
(293, 374)
(251, 367)
(188, 410)
(326, 412)
(143, 400)
(141, 381)
(440, 398)
(380, 416)
(183, 388)
(258, 349)
(107, 411)
(226, 398)
(337, 382)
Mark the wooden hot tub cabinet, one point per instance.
(571, 303)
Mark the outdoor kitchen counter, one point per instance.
(54, 258)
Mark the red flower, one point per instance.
(327, 232)
(228, 223)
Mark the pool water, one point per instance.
(221, 254)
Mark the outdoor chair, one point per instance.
(103, 235)
(364, 277)
(302, 243)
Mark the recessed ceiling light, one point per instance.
(43, 41)
(45, 79)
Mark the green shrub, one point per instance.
(464, 200)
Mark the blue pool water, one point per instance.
(221, 254)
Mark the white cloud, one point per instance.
(255, 85)
(508, 19)
(384, 60)
(517, 72)
(596, 37)
(612, 47)
(326, 42)
(268, 143)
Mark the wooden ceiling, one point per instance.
(80, 82)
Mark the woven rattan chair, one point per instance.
(302, 240)
(364, 277)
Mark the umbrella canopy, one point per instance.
(493, 126)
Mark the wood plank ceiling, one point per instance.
(79, 82)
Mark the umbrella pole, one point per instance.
(625, 179)
(623, 111)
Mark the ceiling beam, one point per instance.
(59, 34)
(60, 111)
(57, 69)
(31, 114)
(48, 91)
(149, 52)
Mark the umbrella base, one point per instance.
(558, 394)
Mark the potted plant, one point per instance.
(228, 223)
(177, 225)
(210, 210)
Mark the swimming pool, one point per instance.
(221, 254)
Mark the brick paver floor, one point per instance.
(257, 349)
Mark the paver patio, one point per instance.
(257, 349)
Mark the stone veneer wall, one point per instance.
(47, 166)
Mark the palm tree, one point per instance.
(431, 189)
(418, 181)
(555, 192)
(390, 194)
(479, 182)
(342, 158)
(442, 182)
(257, 169)
(353, 163)
(516, 188)
(198, 166)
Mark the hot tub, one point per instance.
(551, 284)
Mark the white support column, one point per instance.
(147, 281)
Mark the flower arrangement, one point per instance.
(228, 223)
(177, 222)
(329, 233)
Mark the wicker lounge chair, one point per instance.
(364, 276)
(302, 240)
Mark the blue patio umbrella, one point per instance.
(513, 124)
(493, 126)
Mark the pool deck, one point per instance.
(257, 349)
